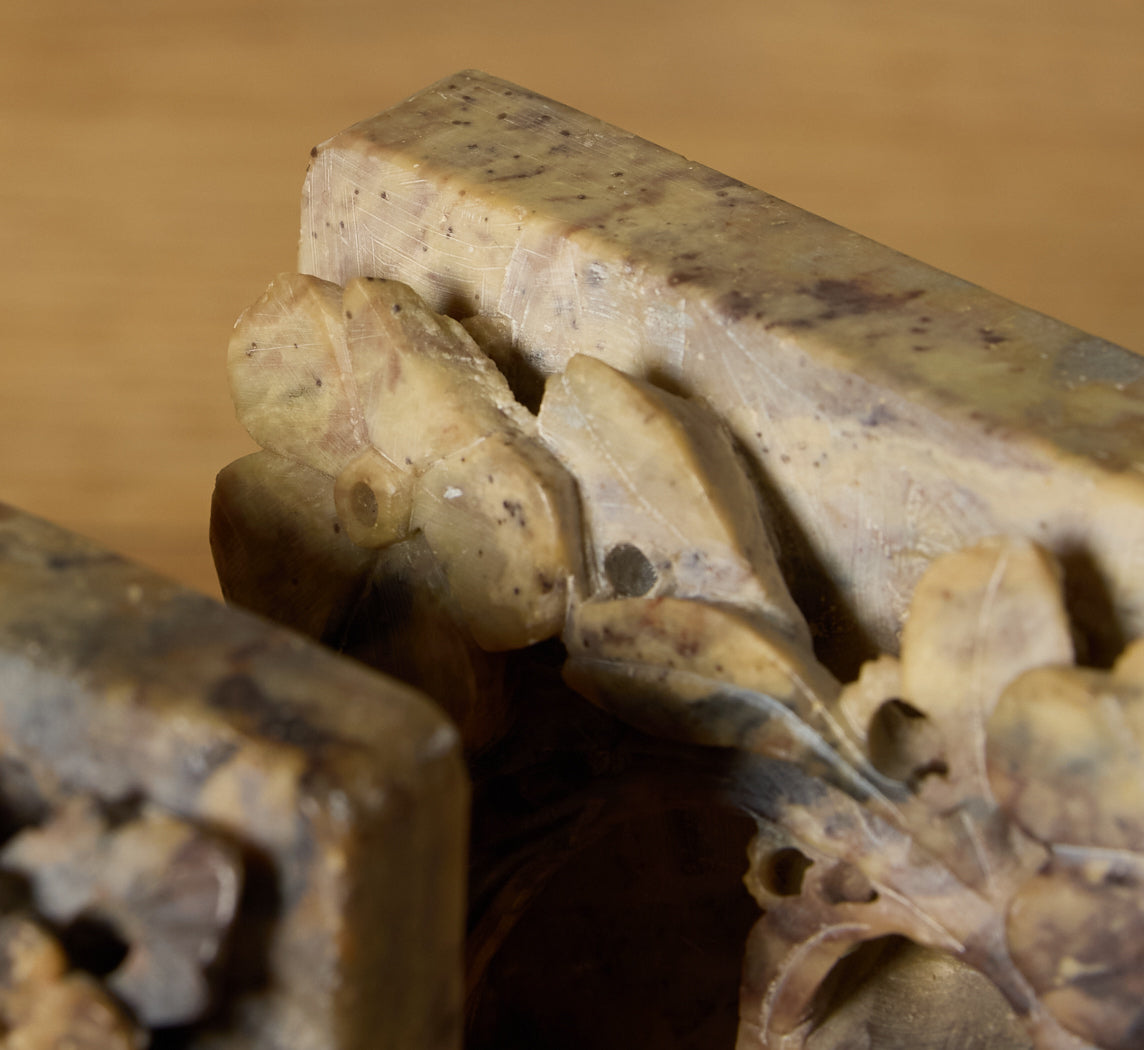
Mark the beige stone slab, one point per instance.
(894, 412)
(344, 790)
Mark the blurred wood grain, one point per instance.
(154, 153)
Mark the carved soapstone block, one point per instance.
(247, 840)
(959, 823)
(892, 411)
(943, 841)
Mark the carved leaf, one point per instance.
(965, 815)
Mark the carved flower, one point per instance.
(43, 1006)
(163, 888)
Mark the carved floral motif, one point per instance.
(966, 812)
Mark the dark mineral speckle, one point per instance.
(734, 305)
(855, 297)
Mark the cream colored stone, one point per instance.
(978, 619)
(289, 372)
(501, 518)
(713, 643)
(890, 415)
(668, 508)
(426, 388)
(901, 413)
(1065, 759)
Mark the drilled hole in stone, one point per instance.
(363, 504)
(784, 872)
(93, 944)
(629, 571)
(905, 744)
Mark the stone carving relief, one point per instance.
(946, 849)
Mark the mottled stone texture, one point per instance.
(342, 790)
(896, 411)
(606, 905)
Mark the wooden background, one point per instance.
(153, 154)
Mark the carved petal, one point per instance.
(169, 890)
(1064, 760)
(43, 1006)
(670, 665)
(290, 374)
(1077, 932)
(426, 388)
(660, 482)
(500, 517)
(978, 618)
